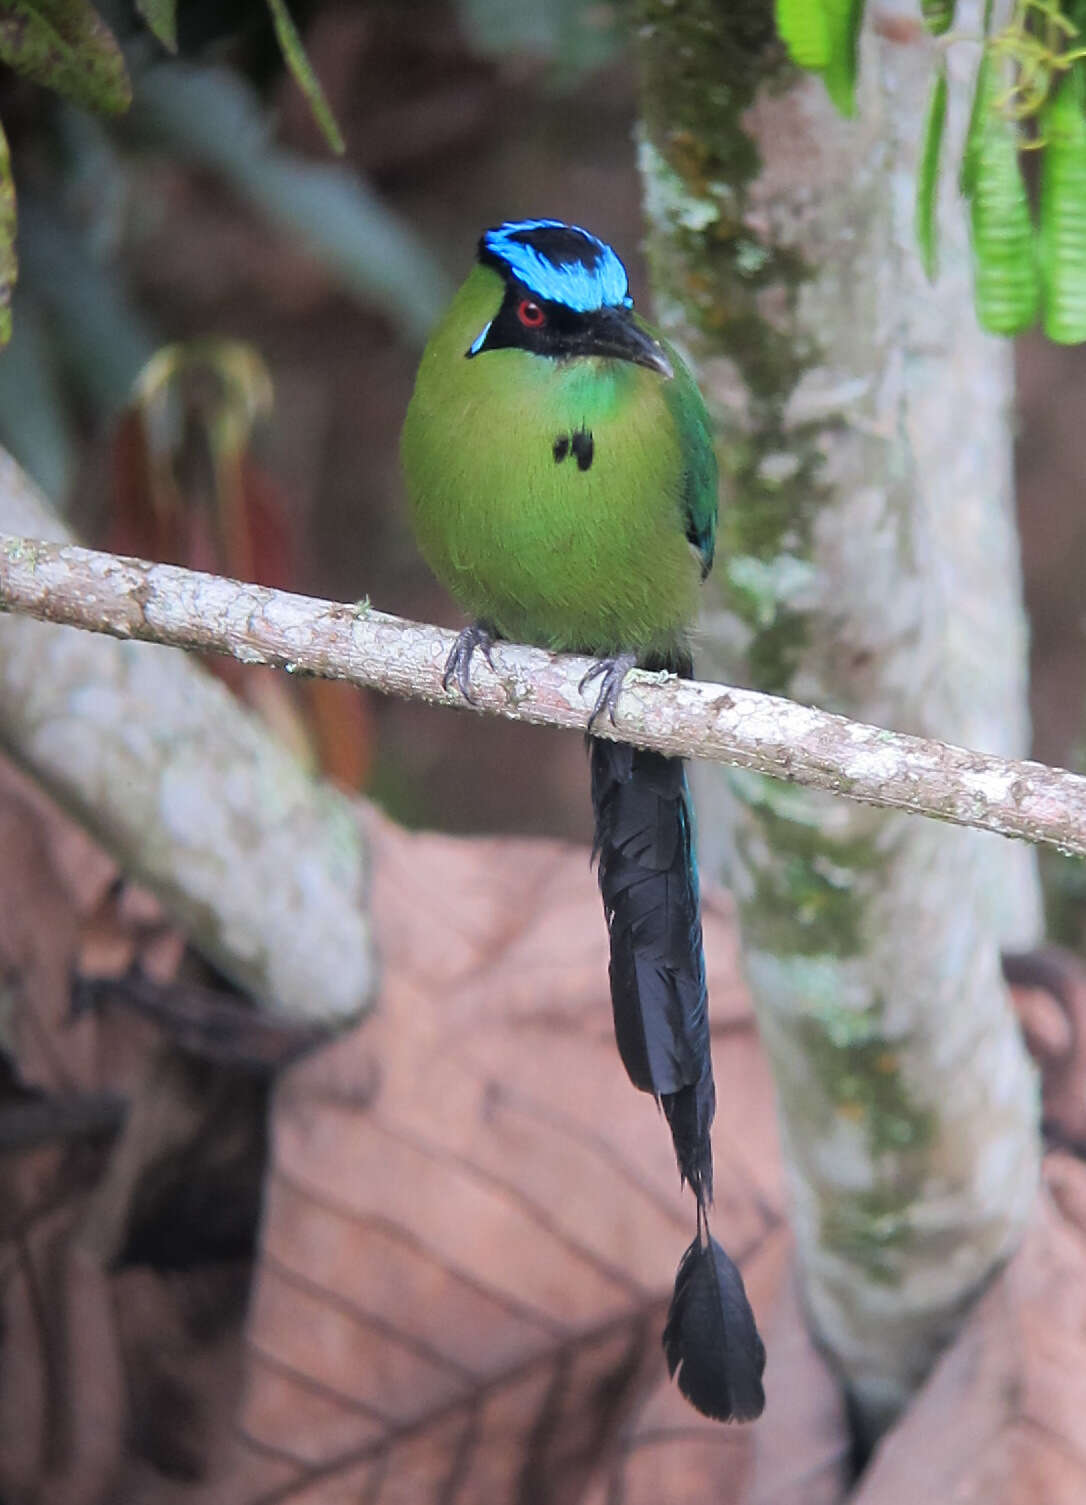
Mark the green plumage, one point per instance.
(563, 487)
(601, 560)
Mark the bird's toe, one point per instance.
(458, 663)
(611, 672)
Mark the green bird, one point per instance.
(563, 487)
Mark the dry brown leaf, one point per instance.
(64, 909)
(471, 1229)
(65, 1208)
(802, 1448)
(38, 936)
(127, 928)
(180, 1335)
(62, 1396)
(86, 872)
(1049, 991)
(1000, 1420)
(472, 1220)
(83, 1363)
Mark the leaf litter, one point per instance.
(467, 1224)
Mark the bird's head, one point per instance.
(566, 295)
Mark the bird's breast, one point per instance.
(553, 509)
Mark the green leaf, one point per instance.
(100, 340)
(843, 18)
(938, 15)
(9, 264)
(161, 17)
(1062, 239)
(65, 45)
(982, 101)
(1006, 285)
(927, 177)
(307, 80)
(803, 28)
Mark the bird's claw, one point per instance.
(612, 673)
(458, 663)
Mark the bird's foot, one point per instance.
(458, 663)
(611, 672)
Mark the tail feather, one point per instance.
(689, 1113)
(649, 881)
(711, 1337)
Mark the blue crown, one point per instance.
(558, 262)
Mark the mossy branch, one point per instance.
(131, 598)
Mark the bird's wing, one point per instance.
(699, 488)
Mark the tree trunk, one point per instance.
(867, 562)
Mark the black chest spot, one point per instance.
(579, 444)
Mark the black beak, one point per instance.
(613, 333)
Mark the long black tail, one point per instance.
(649, 881)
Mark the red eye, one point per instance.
(530, 314)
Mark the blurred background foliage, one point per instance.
(216, 323)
